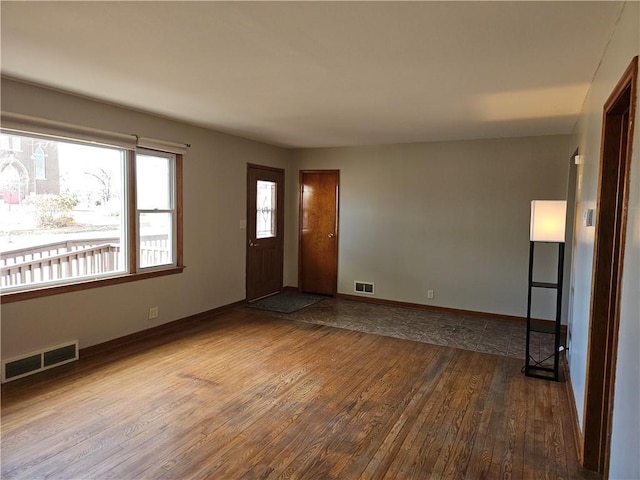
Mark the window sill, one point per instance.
(85, 285)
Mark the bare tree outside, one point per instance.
(103, 179)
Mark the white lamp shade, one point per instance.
(548, 218)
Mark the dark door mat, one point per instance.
(285, 302)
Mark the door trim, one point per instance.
(280, 224)
(334, 289)
(607, 270)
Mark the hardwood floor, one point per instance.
(249, 395)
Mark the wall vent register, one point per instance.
(33, 362)
(363, 287)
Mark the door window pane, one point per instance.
(155, 239)
(266, 209)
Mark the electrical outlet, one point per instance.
(429, 293)
(153, 313)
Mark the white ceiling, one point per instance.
(307, 74)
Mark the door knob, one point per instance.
(332, 235)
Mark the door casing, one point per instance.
(613, 198)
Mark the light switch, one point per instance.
(243, 224)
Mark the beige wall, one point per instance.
(214, 244)
(452, 217)
(625, 441)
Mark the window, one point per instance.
(155, 208)
(39, 162)
(10, 143)
(103, 215)
(266, 209)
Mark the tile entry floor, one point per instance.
(482, 334)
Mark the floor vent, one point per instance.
(33, 362)
(363, 287)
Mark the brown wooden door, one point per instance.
(265, 230)
(318, 225)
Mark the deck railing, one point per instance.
(75, 258)
(154, 250)
(76, 263)
(26, 254)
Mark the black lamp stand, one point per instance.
(533, 367)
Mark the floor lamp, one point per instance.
(548, 219)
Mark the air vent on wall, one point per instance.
(33, 362)
(363, 287)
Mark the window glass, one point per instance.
(153, 178)
(67, 226)
(266, 209)
(155, 239)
